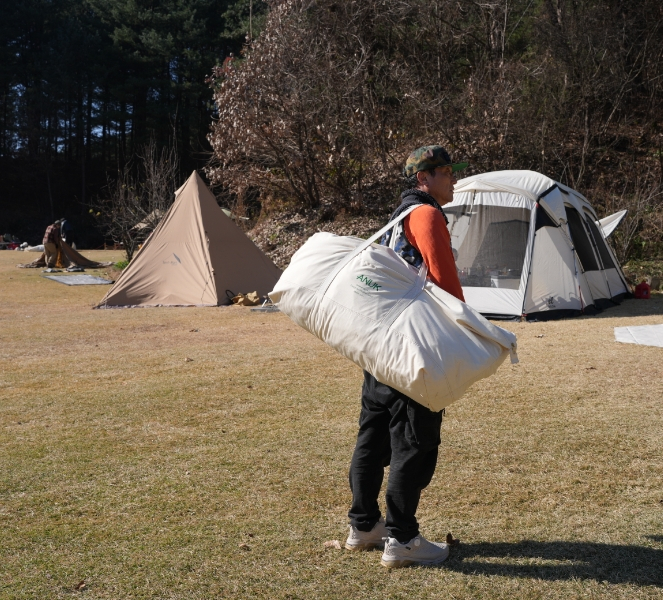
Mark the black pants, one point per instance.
(397, 431)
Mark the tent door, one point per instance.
(552, 284)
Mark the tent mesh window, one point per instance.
(581, 241)
(606, 259)
(490, 244)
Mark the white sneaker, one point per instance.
(417, 551)
(365, 540)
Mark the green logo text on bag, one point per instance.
(369, 282)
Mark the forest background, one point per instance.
(310, 121)
(85, 85)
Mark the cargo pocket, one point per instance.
(423, 427)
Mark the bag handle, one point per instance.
(322, 290)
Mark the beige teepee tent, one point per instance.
(194, 255)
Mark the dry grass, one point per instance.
(124, 466)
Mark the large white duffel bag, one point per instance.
(382, 313)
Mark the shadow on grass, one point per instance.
(632, 308)
(561, 560)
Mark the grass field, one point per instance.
(203, 453)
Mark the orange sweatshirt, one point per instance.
(427, 231)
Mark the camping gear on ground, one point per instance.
(642, 291)
(67, 257)
(78, 279)
(530, 247)
(250, 299)
(644, 335)
(374, 308)
(190, 259)
(9, 242)
(266, 306)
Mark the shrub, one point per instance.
(325, 105)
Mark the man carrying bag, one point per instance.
(394, 429)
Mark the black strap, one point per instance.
(415, 196)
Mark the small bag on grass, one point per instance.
(382, 313)
(250, 299)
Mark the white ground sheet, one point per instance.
(645, 335)
(78, 279)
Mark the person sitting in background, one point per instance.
(52, 244)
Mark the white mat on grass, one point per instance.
(645, 335)
(78, 279)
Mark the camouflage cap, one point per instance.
(429, 157)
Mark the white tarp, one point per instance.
(78, 279)
(644, 335)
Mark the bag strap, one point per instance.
(322, 290)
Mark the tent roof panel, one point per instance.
(554, 203)
(524, 183)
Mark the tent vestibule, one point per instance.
(528, 246)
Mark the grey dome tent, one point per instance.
(192, 258)
(528, 246)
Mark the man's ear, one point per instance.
(421, 177)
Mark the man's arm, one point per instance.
(427, 231)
